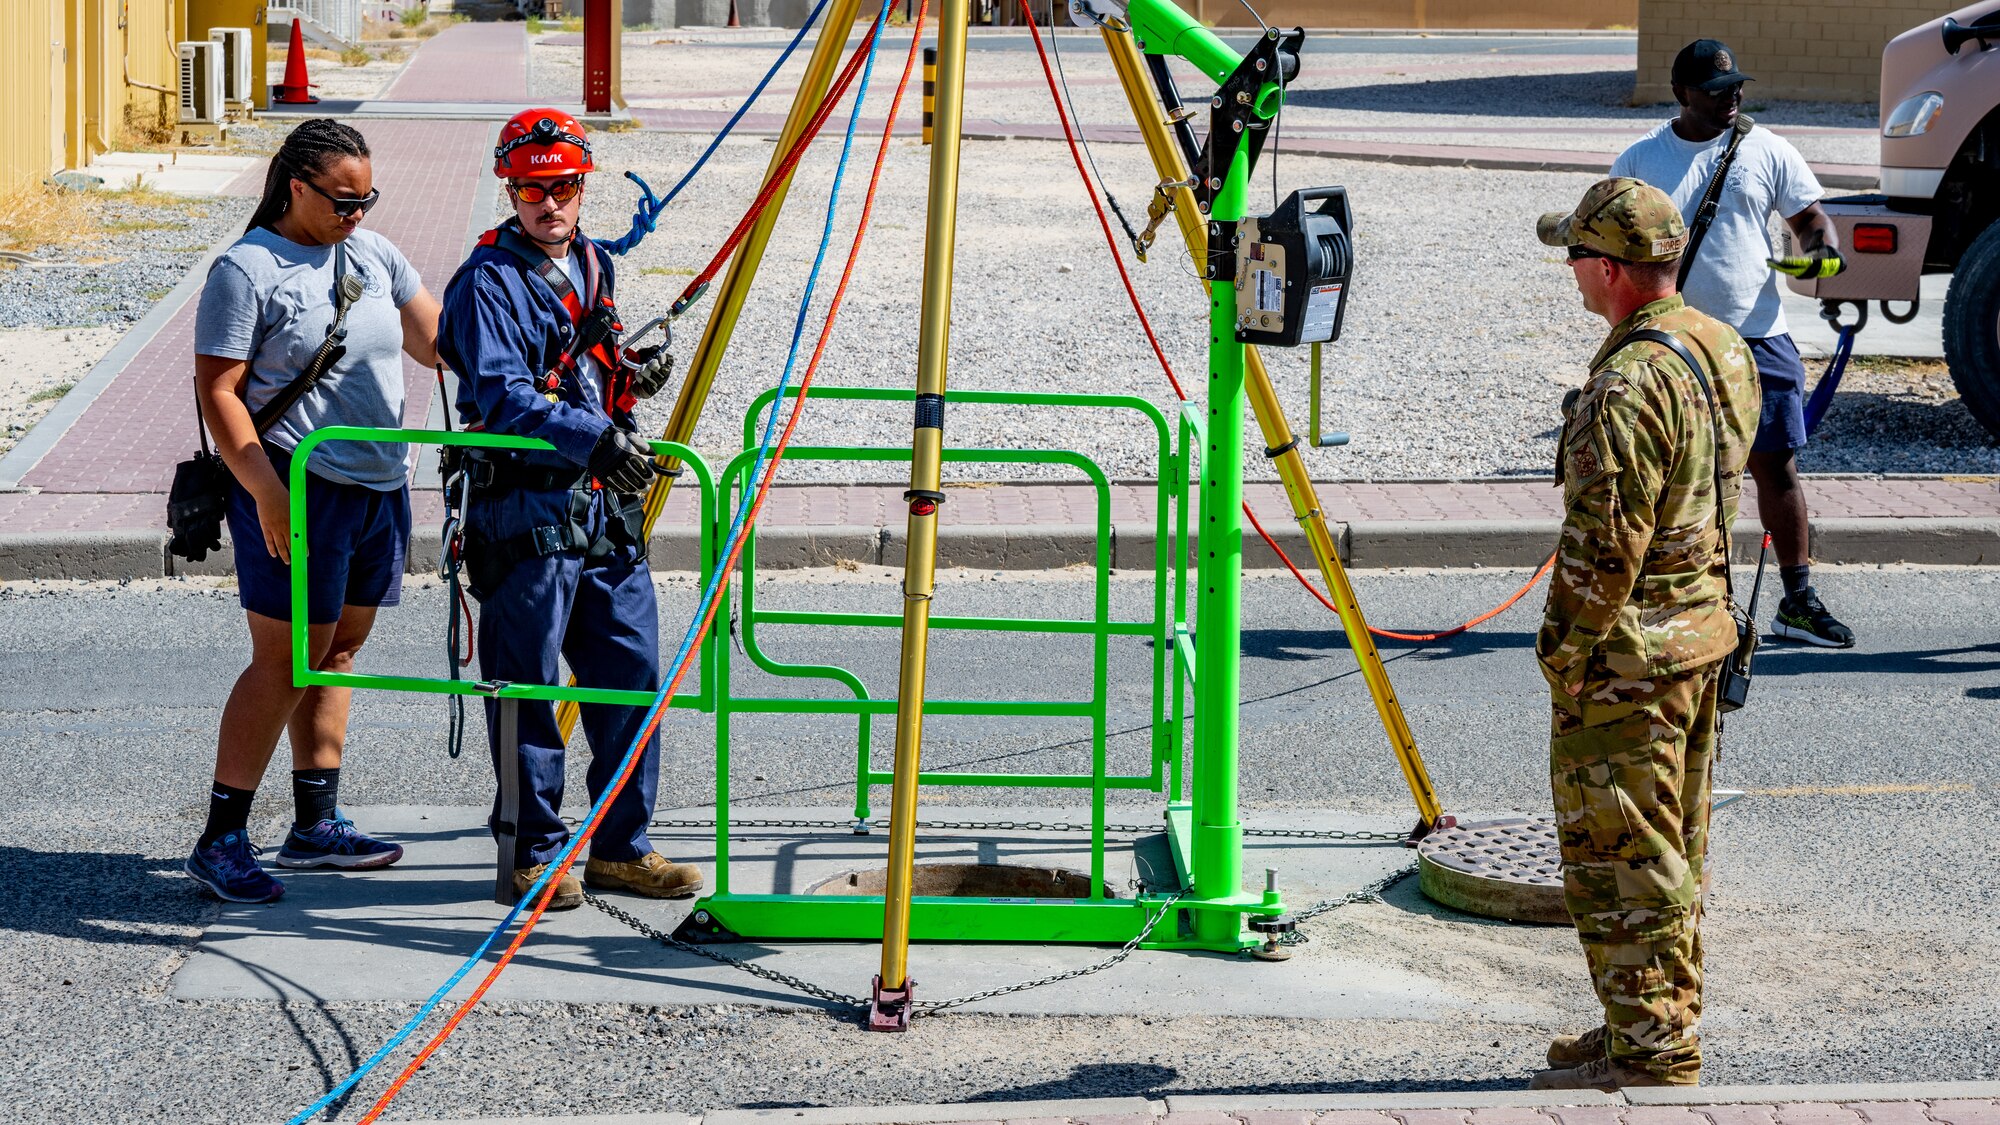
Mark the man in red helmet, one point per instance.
(554, 547)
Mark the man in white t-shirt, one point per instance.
(1733, 280)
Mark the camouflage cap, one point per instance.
(1624, 218)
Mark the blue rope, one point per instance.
(687, 640)
(646, 213)
(1822, 393)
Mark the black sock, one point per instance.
(228, 811)
(315, 793)
(1796, 578)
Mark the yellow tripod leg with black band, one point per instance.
(707, 360)
(1278, 436)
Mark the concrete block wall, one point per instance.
(1804, 50)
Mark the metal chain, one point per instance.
(1036, 826)
(772, 975)
(1124, 951)
(842, 999)
(1370, 893)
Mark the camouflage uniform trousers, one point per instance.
(1629, 765)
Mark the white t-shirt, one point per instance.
(1730, 280)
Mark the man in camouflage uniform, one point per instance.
(1637, 624)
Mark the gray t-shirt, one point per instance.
(1731, 280)
(269, 300)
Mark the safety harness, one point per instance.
(593, 316)
(594, 329)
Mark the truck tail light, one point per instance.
(1874, 238)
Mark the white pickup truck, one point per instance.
(1938, 210)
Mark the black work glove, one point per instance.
(650, 368)
(621, 461)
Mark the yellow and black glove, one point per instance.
(1818, 265)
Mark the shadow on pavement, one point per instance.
(114, 898)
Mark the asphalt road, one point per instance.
(1317, 43)
(1850, 938)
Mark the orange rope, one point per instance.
(708, 618)
(1167, 368)
(1454, 631)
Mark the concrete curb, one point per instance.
(1143, 1109)
(1363, 545)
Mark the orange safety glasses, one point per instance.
(562, 191)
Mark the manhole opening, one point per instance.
(966, 880)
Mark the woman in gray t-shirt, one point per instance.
(267, 308)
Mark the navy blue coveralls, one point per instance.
(503, 329)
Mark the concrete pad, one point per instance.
(933, 1114)
(1922, 338)
(394, 935)
(179, 173)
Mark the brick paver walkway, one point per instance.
(467, 62)
(130, 438)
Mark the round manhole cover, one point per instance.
(1509, 869)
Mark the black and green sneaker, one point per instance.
(1801, 617)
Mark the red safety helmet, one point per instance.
(541, 142)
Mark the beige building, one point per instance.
(1806, 50)
(76, 76)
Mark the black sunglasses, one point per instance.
(1579, 253)
(346, 207)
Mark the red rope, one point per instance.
(708, 618)
(1118, 260)
(1110, 239)
(777, 181)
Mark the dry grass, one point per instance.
(36, 215)
(412, 25)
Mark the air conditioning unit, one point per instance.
(201, 83)
(236, 74)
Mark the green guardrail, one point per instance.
(305, 676)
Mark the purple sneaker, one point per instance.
(228, 868)
(336, 843)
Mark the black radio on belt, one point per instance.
(1292, 268)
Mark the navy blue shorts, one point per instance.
(1781, 377)
(359, 537)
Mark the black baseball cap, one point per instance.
(1707, 65)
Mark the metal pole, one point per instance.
(891, 1011)
(1170, 167)
(507, 827)
(1218, 836)
(736, 281)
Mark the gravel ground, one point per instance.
(334, 79)
(117, 275)
(1463, 332)
(41, 364)
(1565, 102)
(1851, 857)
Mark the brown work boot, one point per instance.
(650, 875)
(569, 889)
(1566, 1051)
(1599, 1073)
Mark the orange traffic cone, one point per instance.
(295, 89)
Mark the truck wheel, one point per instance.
(1972, 328)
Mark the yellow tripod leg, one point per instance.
(737, 280)
(891, 1008)
(1169, 165)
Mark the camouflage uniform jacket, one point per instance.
(1638, 591)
